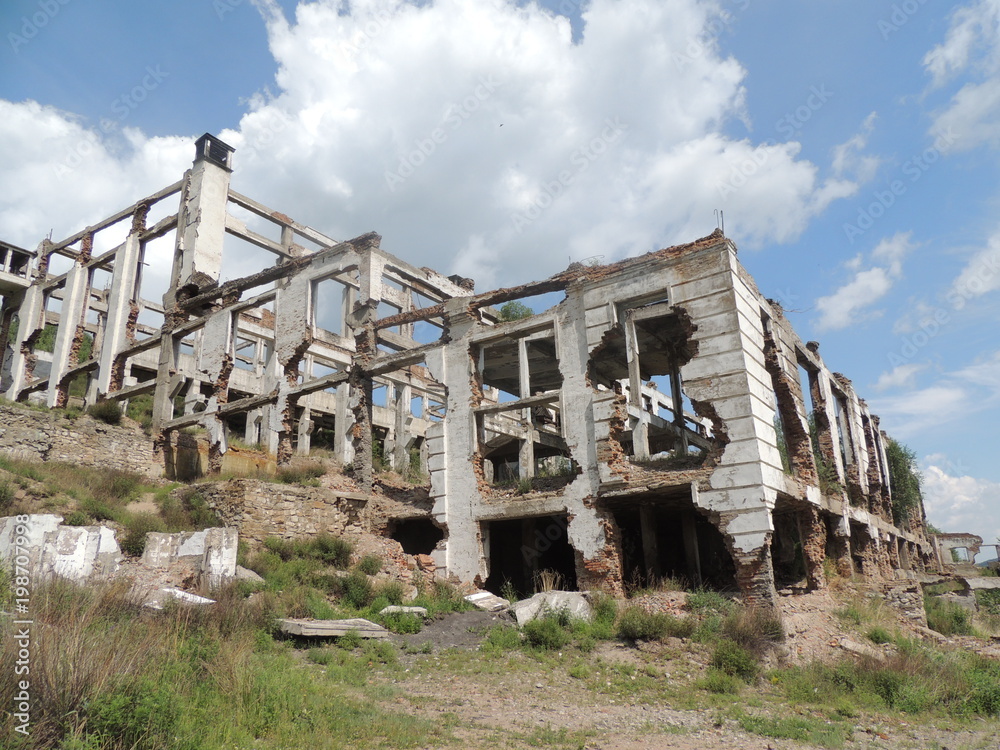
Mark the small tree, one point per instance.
(905, 478)
(514, 310)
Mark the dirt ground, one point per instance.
(527, 703)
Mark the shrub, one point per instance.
(717, 681)
(402, 622)
(392, 591)
(370, 564)
(879, 635)
(136, 528)
(349, 640)
(320, 656)
(501, 638)
(989, 601)
(705, 602)
(755, 629)
(200, 516)
(140, 408)
(108, 412)
(638, 625)
(76, 518)
(546, 632)
(736, 661)
(332, 550)
(6, 495)
(143, 716)
(357, 590)
(947, 617)
(317, 606)
(604, 607)
(5, 592)
(301, 473)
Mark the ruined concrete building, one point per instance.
(662, 419)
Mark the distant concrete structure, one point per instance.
(663, 419)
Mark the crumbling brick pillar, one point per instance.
(812, 531)
(755, 575)
(603, 571)
(867, 550)
(840, 546)
(892, 547)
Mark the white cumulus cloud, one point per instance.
(476, 137)
(851, 303)
(903, 376)
(971, 48)
(958, 502)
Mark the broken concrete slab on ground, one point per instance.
(331, 628)
(663, 419)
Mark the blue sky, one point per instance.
(852, 144)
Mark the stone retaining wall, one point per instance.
(261, 509)
(32, 435)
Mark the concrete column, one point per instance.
(526, 454)
(650, 544)
(11, 306)
(640, 433)
(529, 549)
(677, 397)
(691, 552)
(201, 227)
(350, 296)
(120, 300)
(343, 447)
(401, 456)
(168, 383)
(251, 435)
(30, 316)
(370, 276)
(749, 539)
(71, 318)
(305, 432)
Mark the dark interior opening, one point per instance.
(787, 554)
(859, 547)
(524, 549)
(676, 543)
(418, 536)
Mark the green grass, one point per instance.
(635, 624)
(947, 617)
(916, 680)
(809, 729)
(106, 411)
(303, 473)
(6, 495)
(736, 661)
(200, 679)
